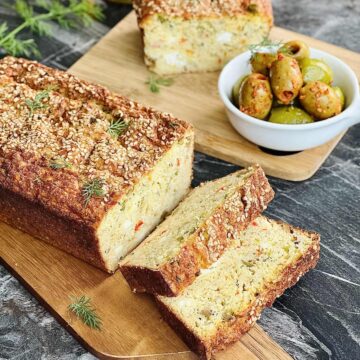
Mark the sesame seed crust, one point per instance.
(188, 9)
(48, 116)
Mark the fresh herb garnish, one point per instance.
(156, 82)
(68, 14)
(60, 163)
(93, 188)
(267, 44)
(38, 103)
(117, 127)
(82, 308)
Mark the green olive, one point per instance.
(255, 97)
(316, 70)
(341, 96)
(286, 79)
(296, 49)
(320, 100)
(290, 115)
(261, 62)
(236, 89)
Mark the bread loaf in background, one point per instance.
(197, 233)
(189, 36)
(84, 169)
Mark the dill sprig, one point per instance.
(82, 308)
(93, 188)
(60, 163)
(37, 102)
(117, 127)
(265, 44)
(68, 14)
(156, 82)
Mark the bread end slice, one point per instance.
(245, 195)
(208, 340)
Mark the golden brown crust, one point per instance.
(204, 8)
(207, 244)
(71, 236)
(232, 330)
(73, 125)
(70, 125)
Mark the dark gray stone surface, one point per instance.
(319, 318)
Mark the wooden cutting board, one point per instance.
(117, 62)
(132, 327)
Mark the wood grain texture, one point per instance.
(132, 326)
(117, 62)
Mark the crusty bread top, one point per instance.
(201, 8)
(49, 152)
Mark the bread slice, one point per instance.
(187, 36)
(226, 299)
(82, 168)
(197, 232)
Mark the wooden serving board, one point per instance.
(132, 327)
(117, 62)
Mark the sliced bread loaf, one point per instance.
(225, 300)
(82, 168)
(197, 232)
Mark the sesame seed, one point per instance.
(71, 122)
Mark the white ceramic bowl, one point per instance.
(285, 137)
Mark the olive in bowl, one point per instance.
(296, 49)
(290, 115)
(316, 70)
(278, 134)
(320, 100)
(255, 96)
(286, 78)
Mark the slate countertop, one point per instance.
(319, 318)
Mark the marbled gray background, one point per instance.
(319, 317)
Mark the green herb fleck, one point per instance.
(161, 18)
(156, 82)
(82, 308)
(117, 127)
(248, 263)
(93, 188)
(60, 163)
(122, 205)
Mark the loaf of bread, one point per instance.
(225, 300)
(189, 36)
(197, 232)
(84, 169)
